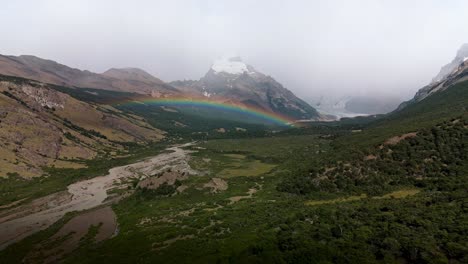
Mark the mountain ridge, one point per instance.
(49, 71)
(452, 73)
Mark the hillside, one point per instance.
(42, 127)
(127, 136)
(325, 196)
(391, 189)
(48, 71)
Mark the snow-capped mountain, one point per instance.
(230, 79)
(233, 65)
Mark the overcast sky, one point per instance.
(312, 47)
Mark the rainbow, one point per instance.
(219, 105)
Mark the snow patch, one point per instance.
(229, 65)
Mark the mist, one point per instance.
(332, 48)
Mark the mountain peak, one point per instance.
(461, 56)
(463, 51)
(131, 74)
(232, 80)
(449, 74)
(230, 65)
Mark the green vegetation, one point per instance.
(427, 158)
(163, 190)
(254, 168)
(197, 123)
(396, 194)
(319, 194)
(188, 122)
(84, 132)
(437, 108)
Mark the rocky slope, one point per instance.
(47, 71)
(233, 80)
(452, 73)
(42, 127)
(462, 56)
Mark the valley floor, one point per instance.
(218, 202)
(20, 222)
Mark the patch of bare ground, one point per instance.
(186, 212)
(167, 243)
(329, 169)
(167, 109)
(37, 205)
(370, 157)
(162, 245)
(395, 140)
(218, 206)
(76, 231)
(173, 218)
(249, 195)
(18, 223)
(182, 188)
(168, 177)
(6, 206)
(179, 124)
(216, 185)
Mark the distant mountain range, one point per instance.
(47, 71)
(228, 81)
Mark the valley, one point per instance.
(121, 167)
(237, 204)
(218, 185)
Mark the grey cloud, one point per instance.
(312, 47)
